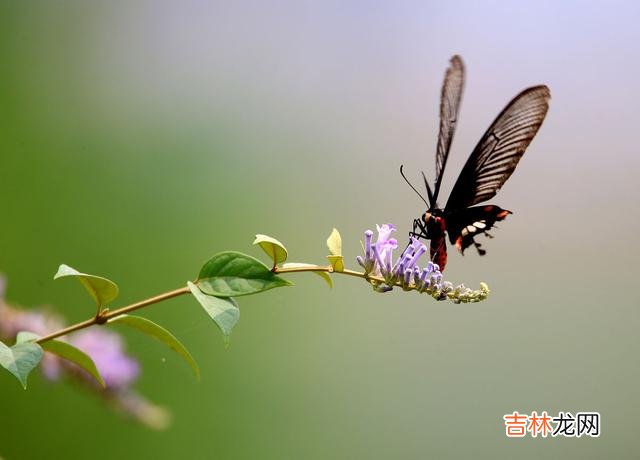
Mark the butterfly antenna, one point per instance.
(414, 189)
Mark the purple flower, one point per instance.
(117, 369)
(368, 254)
(384, 232)
(410, 256)
(368, 261)
(384, 247)
(378, 259)
(383, 274)
(147, 413)
(41, 322)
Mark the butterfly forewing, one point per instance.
(495, 157)
(449, 107)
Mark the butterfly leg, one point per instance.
(418, 224)
(413, 232)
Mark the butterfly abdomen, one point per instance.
(438, 245)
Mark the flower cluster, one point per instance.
(383, 273)
(118, 370)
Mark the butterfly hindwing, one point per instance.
(465, 224)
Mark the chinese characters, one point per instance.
(565, 424)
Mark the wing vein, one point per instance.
(498, 152)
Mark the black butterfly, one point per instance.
(489, 166)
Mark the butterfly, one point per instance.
(490, 164)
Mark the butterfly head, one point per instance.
(430, 225)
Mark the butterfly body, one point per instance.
(489, 166)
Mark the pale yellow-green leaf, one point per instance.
(337, 262)
(274, 248)
(101, 289)
(334, 243)
(324, 275)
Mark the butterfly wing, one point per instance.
(497, 154)
(464, 224)
(449, 106)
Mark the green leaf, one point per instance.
(324, 275)
(65, 351)
(224, 311)
(25, 336)
(101, 289)
(158, 332)
(334, 243)
(20, 359)
(231, 274)
(274, 248)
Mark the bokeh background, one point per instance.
(139, 138)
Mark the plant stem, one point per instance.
(67, 330)
(106, 315)
(143, 303)
(310, 268)
(328, 269)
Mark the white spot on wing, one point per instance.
(471, 228)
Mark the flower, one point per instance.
(106, 348)
(118, 370)
(383, 249)
(41, 322)
(383, 274)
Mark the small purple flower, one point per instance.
(406, 280)
(368, 262)
(368, 254)
(384, 232)
(14, 320)
(117, 369)
(378, 258)
(106, 349)
(423, 279)
(410, 255)
(384, 247)
(136, 406)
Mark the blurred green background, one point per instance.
(139, 138)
